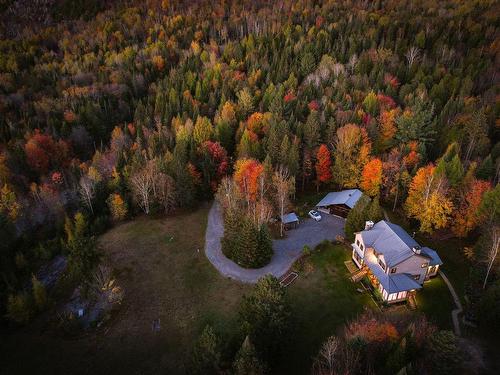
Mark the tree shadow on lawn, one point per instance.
(322, 301)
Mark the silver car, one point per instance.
(315, 215)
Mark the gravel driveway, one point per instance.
(286, 251)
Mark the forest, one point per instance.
(115, 110)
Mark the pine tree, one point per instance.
(356, 217)
(312, 130)
(206, 355)
(247, 362)
(265, 317)
(265, 246)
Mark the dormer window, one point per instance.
(381, 263)
(425, 265)
(393, 270)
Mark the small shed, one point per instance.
(290, 220)
(339, 203)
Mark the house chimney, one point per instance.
(368, 225)
(417, 249)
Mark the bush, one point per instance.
(306, 250)
(20, 308)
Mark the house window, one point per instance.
(381, 264)
(357, 242)
(424, 265)
(393, 270)
(416, 277)
(361, 247)
(401, 295)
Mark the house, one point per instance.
(395, 263)
(339, 203)
(290, 220)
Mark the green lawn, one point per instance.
(436, 302)
(323, 300)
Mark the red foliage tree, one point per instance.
(323, 164)
(467, 217)
(42, 152)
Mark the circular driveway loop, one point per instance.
(286, 251)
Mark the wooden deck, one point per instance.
(351, 267)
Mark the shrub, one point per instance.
(306, 250)
(19, 308)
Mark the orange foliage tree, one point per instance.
(427, 200)
(323, 164)
(246, 175)
(387, 128)
(467, 216)
(371, 177)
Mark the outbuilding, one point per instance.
(339, 203)
(290, 220)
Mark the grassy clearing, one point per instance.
(323, 300)
(162, 267)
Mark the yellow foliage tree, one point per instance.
(8, 202)
(427, 201)
(117, 206)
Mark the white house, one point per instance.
(395, 263)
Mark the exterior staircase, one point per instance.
(412, 303)
(358, 275)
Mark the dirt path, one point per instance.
(286, 251)
(458, 310)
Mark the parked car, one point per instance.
(315, 215)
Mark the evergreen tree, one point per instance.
(312, 130)
(265, 317)
(39, 293)
(205, 358)
(247, 361)
(265, 249)
(486, 170)
(356, 217)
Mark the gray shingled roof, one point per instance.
(435, 259)
(393, 242)
(392, 283)
(347, 197)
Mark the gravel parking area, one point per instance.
(286, 251)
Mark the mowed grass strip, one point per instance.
(322, 301)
